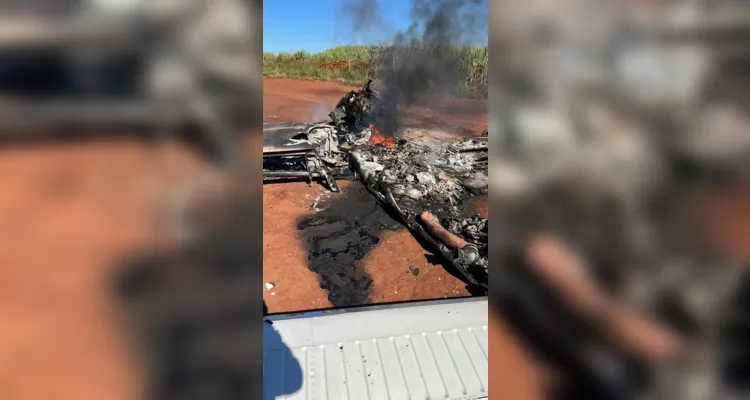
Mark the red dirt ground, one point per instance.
(305, 101)
(285, 256)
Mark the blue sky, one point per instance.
(315, 25)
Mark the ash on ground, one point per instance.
(338, 237)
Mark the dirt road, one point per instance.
(306, 101)
(377, 268)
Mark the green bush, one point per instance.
(356, 64)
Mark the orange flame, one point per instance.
(378, 138)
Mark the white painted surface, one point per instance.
(432, 350)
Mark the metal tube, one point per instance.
(465, 252)
(278, 153)
(433, 225)
(290, 174)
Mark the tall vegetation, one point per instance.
(356, 64)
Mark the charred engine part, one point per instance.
(464, 252)
(356, 110)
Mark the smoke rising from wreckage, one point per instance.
(365, 139)
(425, 185)
(418, 62)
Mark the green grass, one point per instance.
(355, 64)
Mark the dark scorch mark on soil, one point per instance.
(338, 238)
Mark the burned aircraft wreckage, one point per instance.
(427, 186)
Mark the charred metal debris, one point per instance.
(426, 185)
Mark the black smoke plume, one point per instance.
(418, 60)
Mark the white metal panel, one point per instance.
(427, 350)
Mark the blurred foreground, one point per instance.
(619, 193)
(111, 112)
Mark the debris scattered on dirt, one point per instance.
(405, 177)
(315, 205)
(413, 177)
(423, 175)
(414, 270)
(270, 285)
